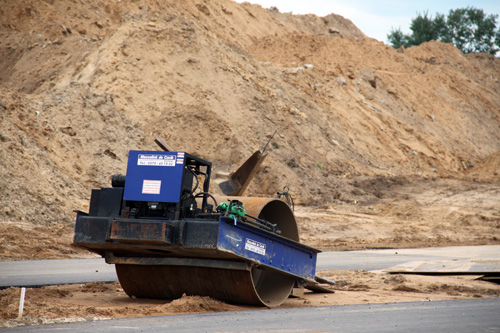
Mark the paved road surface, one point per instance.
(47, 272)
(380, 259)
(36, 273)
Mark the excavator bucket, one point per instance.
(239, 180)
(234, 184)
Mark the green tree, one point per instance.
(422, 28)
(469, 29)
(397, 38)
(440, 28)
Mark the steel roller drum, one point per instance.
(251, 285)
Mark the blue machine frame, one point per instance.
(266, 249)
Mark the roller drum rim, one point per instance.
(257, 286)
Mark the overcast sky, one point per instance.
(376, 18)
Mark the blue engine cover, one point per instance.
(154, 176)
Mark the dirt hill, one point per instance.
(84, 82)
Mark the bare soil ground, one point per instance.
(404, 213)
(95, 301)
(380, 147)
(408, 213)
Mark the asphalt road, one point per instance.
(370, 260)
(36, 273)
(49, 272)
(476, 315)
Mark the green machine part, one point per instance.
(237, 211)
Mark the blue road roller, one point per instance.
(167, 235)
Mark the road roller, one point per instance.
(167, 235)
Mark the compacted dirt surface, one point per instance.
(96, 301)
(380, 148)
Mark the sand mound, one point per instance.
(83, 83)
